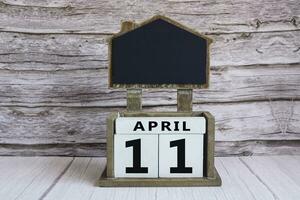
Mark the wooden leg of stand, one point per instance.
(185, 100)
(134, 99)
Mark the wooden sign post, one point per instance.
(159, 148)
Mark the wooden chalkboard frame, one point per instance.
(210, 178)
(132, 26)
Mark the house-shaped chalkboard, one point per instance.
(159, 53)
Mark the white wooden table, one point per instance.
(264, 178)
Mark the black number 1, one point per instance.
(181, 168)
(136, 145)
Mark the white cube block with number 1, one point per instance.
(136, 156)
(181, 155)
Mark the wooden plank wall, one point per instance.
(54, 96)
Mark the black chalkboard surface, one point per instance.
(158, 54)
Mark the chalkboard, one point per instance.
(159, 54)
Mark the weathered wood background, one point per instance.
(54, 96)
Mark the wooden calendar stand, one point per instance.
(160, 53)
(184, 107)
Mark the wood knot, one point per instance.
(68, 8)
(259, 51)
(44, 113)
(3, 4)
(247, 153)
(17, 113)
(245, 35)
(71, 132)
(257, 23)
(294, 21)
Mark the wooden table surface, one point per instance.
(273, 177)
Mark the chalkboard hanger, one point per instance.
(134, 100)
(184, 100)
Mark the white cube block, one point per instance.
(181, 155)
(160, 125)
(136, 156)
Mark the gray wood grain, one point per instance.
(257, 147)
(59, 126)
(53, 73)
(223, 148)
(267, 177)
(88, 87)
(28, 178)
(65, 51)
(79, 16)
(266, 168)
(59, 149)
